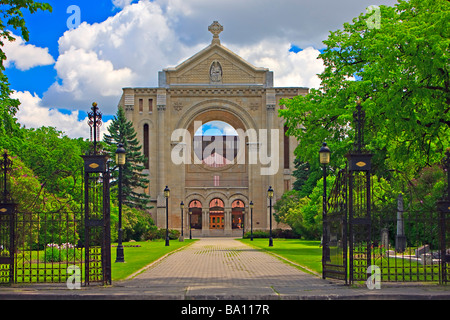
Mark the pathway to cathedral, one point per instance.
(225, 268)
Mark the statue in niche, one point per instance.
(215, 72)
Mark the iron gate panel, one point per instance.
(334, 257)
(97, 221)
(7, 249)
(359, 224)
(48, 242)
(444, 237)
(416, 258)
(7, 215)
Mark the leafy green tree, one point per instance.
(306, 176)
(11, 16)
(53, 157)
(399, 72)
(134, 180)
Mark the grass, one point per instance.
(137, 255)
(137, 258)
(307, 254)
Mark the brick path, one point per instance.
(225, 269)
(222, 267)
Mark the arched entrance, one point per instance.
(195, 214)
(218, 172)
(237, 214)
(216, 214)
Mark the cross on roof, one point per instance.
(215, 28)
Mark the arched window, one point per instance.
(237, 214)
(195, 214)
(216, 144)
(216, 214)
(146, 147)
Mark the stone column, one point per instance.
(161, 179)
(227, 217)
(205, 222)
(270, 108)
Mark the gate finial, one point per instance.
(6, 165)
(95, 121)
(359, 116)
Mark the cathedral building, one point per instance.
(216, 174)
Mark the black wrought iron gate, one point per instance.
(334, 250)
(7, 217)
(358, 238)
(359, 216)
(97, 220)
(46, 241)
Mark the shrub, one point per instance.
(155, 233)
(276, 233)
(65, 252)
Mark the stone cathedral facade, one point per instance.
(215, 176)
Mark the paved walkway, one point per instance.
(225, 269)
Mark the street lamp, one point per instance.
(270, 195)
(120, 161)
(324, 154)
(324, 158)
(182, 214)
(190, 228)
(243, 223)
(251, 220)
(166, 195)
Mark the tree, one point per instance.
(399, 72)
(11, 16)
(134, 181)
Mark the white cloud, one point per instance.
(290, 69)
(85, 76)
(96, 61)
(121, 3)
(128, 49)
(32, 114)
(25, 56)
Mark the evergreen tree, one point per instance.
(134, 181)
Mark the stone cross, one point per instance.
(215, 28)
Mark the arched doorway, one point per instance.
(195, 214)
(237, 214)
(216, 214)
(216, 144)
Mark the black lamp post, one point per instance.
(190, 228)
(120, 161)
(166, 195)
(251, 220)
(243, 223)
(182, 222)
(270, 195)
(324, 158)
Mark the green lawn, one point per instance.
(137, 258)
(305, 253)
(308, 254)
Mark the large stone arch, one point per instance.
(216, 109)
(216, 194)
(194, 196)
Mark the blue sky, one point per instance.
(216, 128)
(124, 43)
